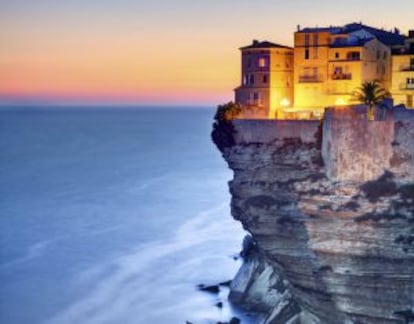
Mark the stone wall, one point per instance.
(267, 131)
(355, 148)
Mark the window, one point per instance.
(412, 64)
(245, 79)
(262, 62)
(337, 55)
(265, 78)
(354, 56)
(251, 79)
(307, 54)
(249, 62)
(378, 55)
(385, 55)
(338, 70)
(256, 96)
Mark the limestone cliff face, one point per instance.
(332, 217)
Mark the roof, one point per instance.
(331, 29)
(346, 42)
(385, 37)
(264, 44)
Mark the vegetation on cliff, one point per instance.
(223, 129)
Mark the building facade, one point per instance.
(325, 67)
(266, 79)
(402, 85)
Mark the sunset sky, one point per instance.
(154, 52)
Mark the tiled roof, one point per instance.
(385, 37)
(264, 44)
(341, 42)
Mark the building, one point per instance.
(329, 64)
(266, 79)
(402, 85)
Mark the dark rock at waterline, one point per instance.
(219, 305)
(249, 247)
(214, 289)
(234, 320)
(225, 283)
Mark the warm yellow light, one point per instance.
(340, 102)
(285, 103)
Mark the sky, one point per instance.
(154, 52)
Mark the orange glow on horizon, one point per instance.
(181, 51)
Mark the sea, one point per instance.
(114, 216)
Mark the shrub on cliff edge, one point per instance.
(223, 129)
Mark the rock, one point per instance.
(331, 245)
(214, 289)
(225, 283)
(234, 320)
(219, 305)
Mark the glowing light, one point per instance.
(285, 103)
(340, 102)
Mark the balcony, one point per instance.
(407, 86)
(341, 76)
(309, 78)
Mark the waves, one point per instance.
(156, 283)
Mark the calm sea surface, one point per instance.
(113, 216)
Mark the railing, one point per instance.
(309, 78)
(407, 86)
(341, 76)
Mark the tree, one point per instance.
(223, 129)
(372, 94)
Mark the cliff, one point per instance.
(331, 211)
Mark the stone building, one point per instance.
(323, 69)
(402, 85)
(267, 79)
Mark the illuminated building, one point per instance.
(402, 85)
(267, 79)
(323, 69)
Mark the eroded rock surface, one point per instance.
(335, 245)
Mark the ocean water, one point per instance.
(113, 216)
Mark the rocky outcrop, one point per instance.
(332, 217)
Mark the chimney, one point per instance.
(298, 28)
(396, 31)
(255, 42)
(411, 33)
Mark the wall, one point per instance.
(268, 131)
(355, 148)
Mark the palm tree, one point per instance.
(372, 94)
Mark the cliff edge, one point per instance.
(330, 208)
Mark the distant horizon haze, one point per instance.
(138, 52)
